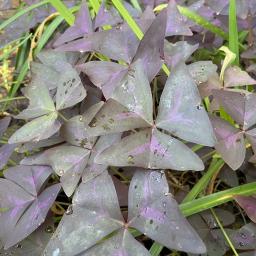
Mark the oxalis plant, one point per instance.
(113, 110)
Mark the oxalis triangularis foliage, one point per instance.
(87, 117)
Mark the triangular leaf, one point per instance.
(180, 111)
(156, 214)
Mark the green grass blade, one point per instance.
(214, 167)
(95, 5)
(233, 32)
(63, 11)
(136, 4)
(208, 202)
(202, 21)
(22, 12)
(128, 18)
(155, 249)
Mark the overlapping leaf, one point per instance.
(6, 150)
(96, 214)
(25, 206)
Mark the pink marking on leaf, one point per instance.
(153, 214)
(231, 141)
(125, 115)
(156, 147)
(140, 149)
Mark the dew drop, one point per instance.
(241, 244)
(130, 159)
(61, 172)
(80, 118)
(19, 246)
(49, 229)
(243, 235)
(199, 107)
(69, 211)
(151, 222)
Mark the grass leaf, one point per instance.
(233, 32)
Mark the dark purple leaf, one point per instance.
(82, 26)
(248, 203)
(4, 123)
(5, 153)
(176, 23)
(230, 143)
(151, 149)
(154, 212)
(151, 48)
(107, 16)
(239, 104)
(180, 111)
(93, 215)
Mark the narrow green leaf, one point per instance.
(63, 11)
(233, 32)
(136, 5)
(208, 202)
(155, 249)
(214, 167)
(95, 5)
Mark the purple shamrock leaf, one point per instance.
(151, 148)
(24, 208)
(154, 212)
(248, 203)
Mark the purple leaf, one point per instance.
(248, 203)
(180, 111)
(82, 26)
(245, 237)
(134, 92)
(34, 216)
(114, 117)
(176, 23)
(75, 130)
(4, 123)
(234, 76)
(113, 43)
(93, 169)
(70, 90)
(31, 178)
(107, 16)
(94, 214)
(230, 143)
(67, 161)
(151, 48)
(40, 101)
(23, 209)
(155, 213)
(104, 74)
(178, 52)
(239, 104)
(120, 244)
(202, 70)
(5, 153)
(38, 129)
(151, 149)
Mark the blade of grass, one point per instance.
(155, 249)
(95, 5)
(133, 25)
(22, 12)
(207, 202)
(136, 4)
(214, 167)
(224, 233)
(63, 11)
(233, 32)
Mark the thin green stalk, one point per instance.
(133, 25)
(207, 202)
(224, 233)
(22, 12)
(233, 32)
(63, 11)
(214, 167)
